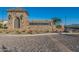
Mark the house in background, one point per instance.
(72, 28)
(40, 22)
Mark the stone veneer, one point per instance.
(17, 19)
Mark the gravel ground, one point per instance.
(43, 43)
(27, 44)
(70, 41)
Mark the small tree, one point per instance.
(1, 25)
(5, 26)
(58, 26)
(56, 22)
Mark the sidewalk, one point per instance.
(37, 34)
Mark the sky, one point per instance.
(69, 15)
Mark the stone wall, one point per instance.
(45, 28)
(23, 22)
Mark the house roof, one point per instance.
(40, 21)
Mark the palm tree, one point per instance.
(56, 21)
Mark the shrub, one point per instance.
(24, 31)
(7, 32)
(18, 32)
(37, 32)
(46, 31)
(1, 25)
(1, 30)
(30, 31)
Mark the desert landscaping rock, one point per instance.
(40, 43)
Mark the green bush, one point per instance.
(46, 31)
(7, 32)
(18, 32)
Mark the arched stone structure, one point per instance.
(17, 19)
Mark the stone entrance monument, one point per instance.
(17, 19)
